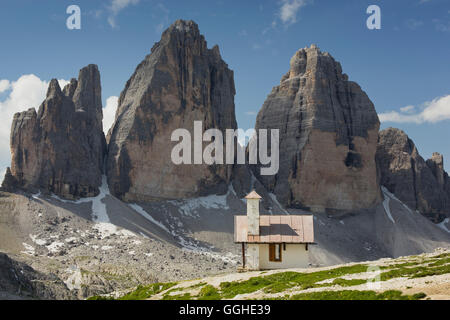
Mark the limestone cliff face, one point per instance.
(180, 82)
(328, 137)
(422, 185)
(61, 148)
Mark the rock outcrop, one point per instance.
(180, 82)
(421, 185)
(19, 281)
(9, 183)
(328, 131)
(61, 148)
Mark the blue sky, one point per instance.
(405, 64)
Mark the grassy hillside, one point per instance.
(407, 278)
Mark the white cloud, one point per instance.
(408, 109)
(4, 85)
(289, 10)
(443, 26)
(115, 8)
(164, 16)
(434, 111)
(243, 33)
(109, 113)
(413, 24)
(251, 113)
(27, 92)
(256, 46)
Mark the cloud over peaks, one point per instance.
(431, 112)
(289, 10)
(115, 8)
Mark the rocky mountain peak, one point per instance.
(328, 133)
(184, 26)
(422, 185)
(180, 34)
(87, 95)
(54, 89)
(312, 60)
(61, 148)
(70, 88)
(180, 82)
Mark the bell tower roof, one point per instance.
(253, 195)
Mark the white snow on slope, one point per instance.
(387, 197)
(107, 229)
(99, 212)
(55, 246)
(28, 249)
(75, 279)
(189, 207)
(147, 216)
(274, 199)
(392, 196)
(443, 224)
(39, 242)
(252, 181)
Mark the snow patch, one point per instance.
(55, 246)
(274, 199)
(392, 196)
(71, 240)
(36, 196)
(147, 216)
(443, 225)
(28, 249)
(39, 242)
(387, 197)
(144, 235)
(190, 207)
(108, 229)
(74, 281)
(252, 181)
(99, 212)
(105, 248)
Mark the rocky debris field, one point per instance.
(96, 257)
(100, 245)
(425, 276)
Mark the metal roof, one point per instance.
(253, 195)
(276, 229)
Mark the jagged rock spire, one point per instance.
(328, 135)
(421, 185)
(61, 148)
(180, 82)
